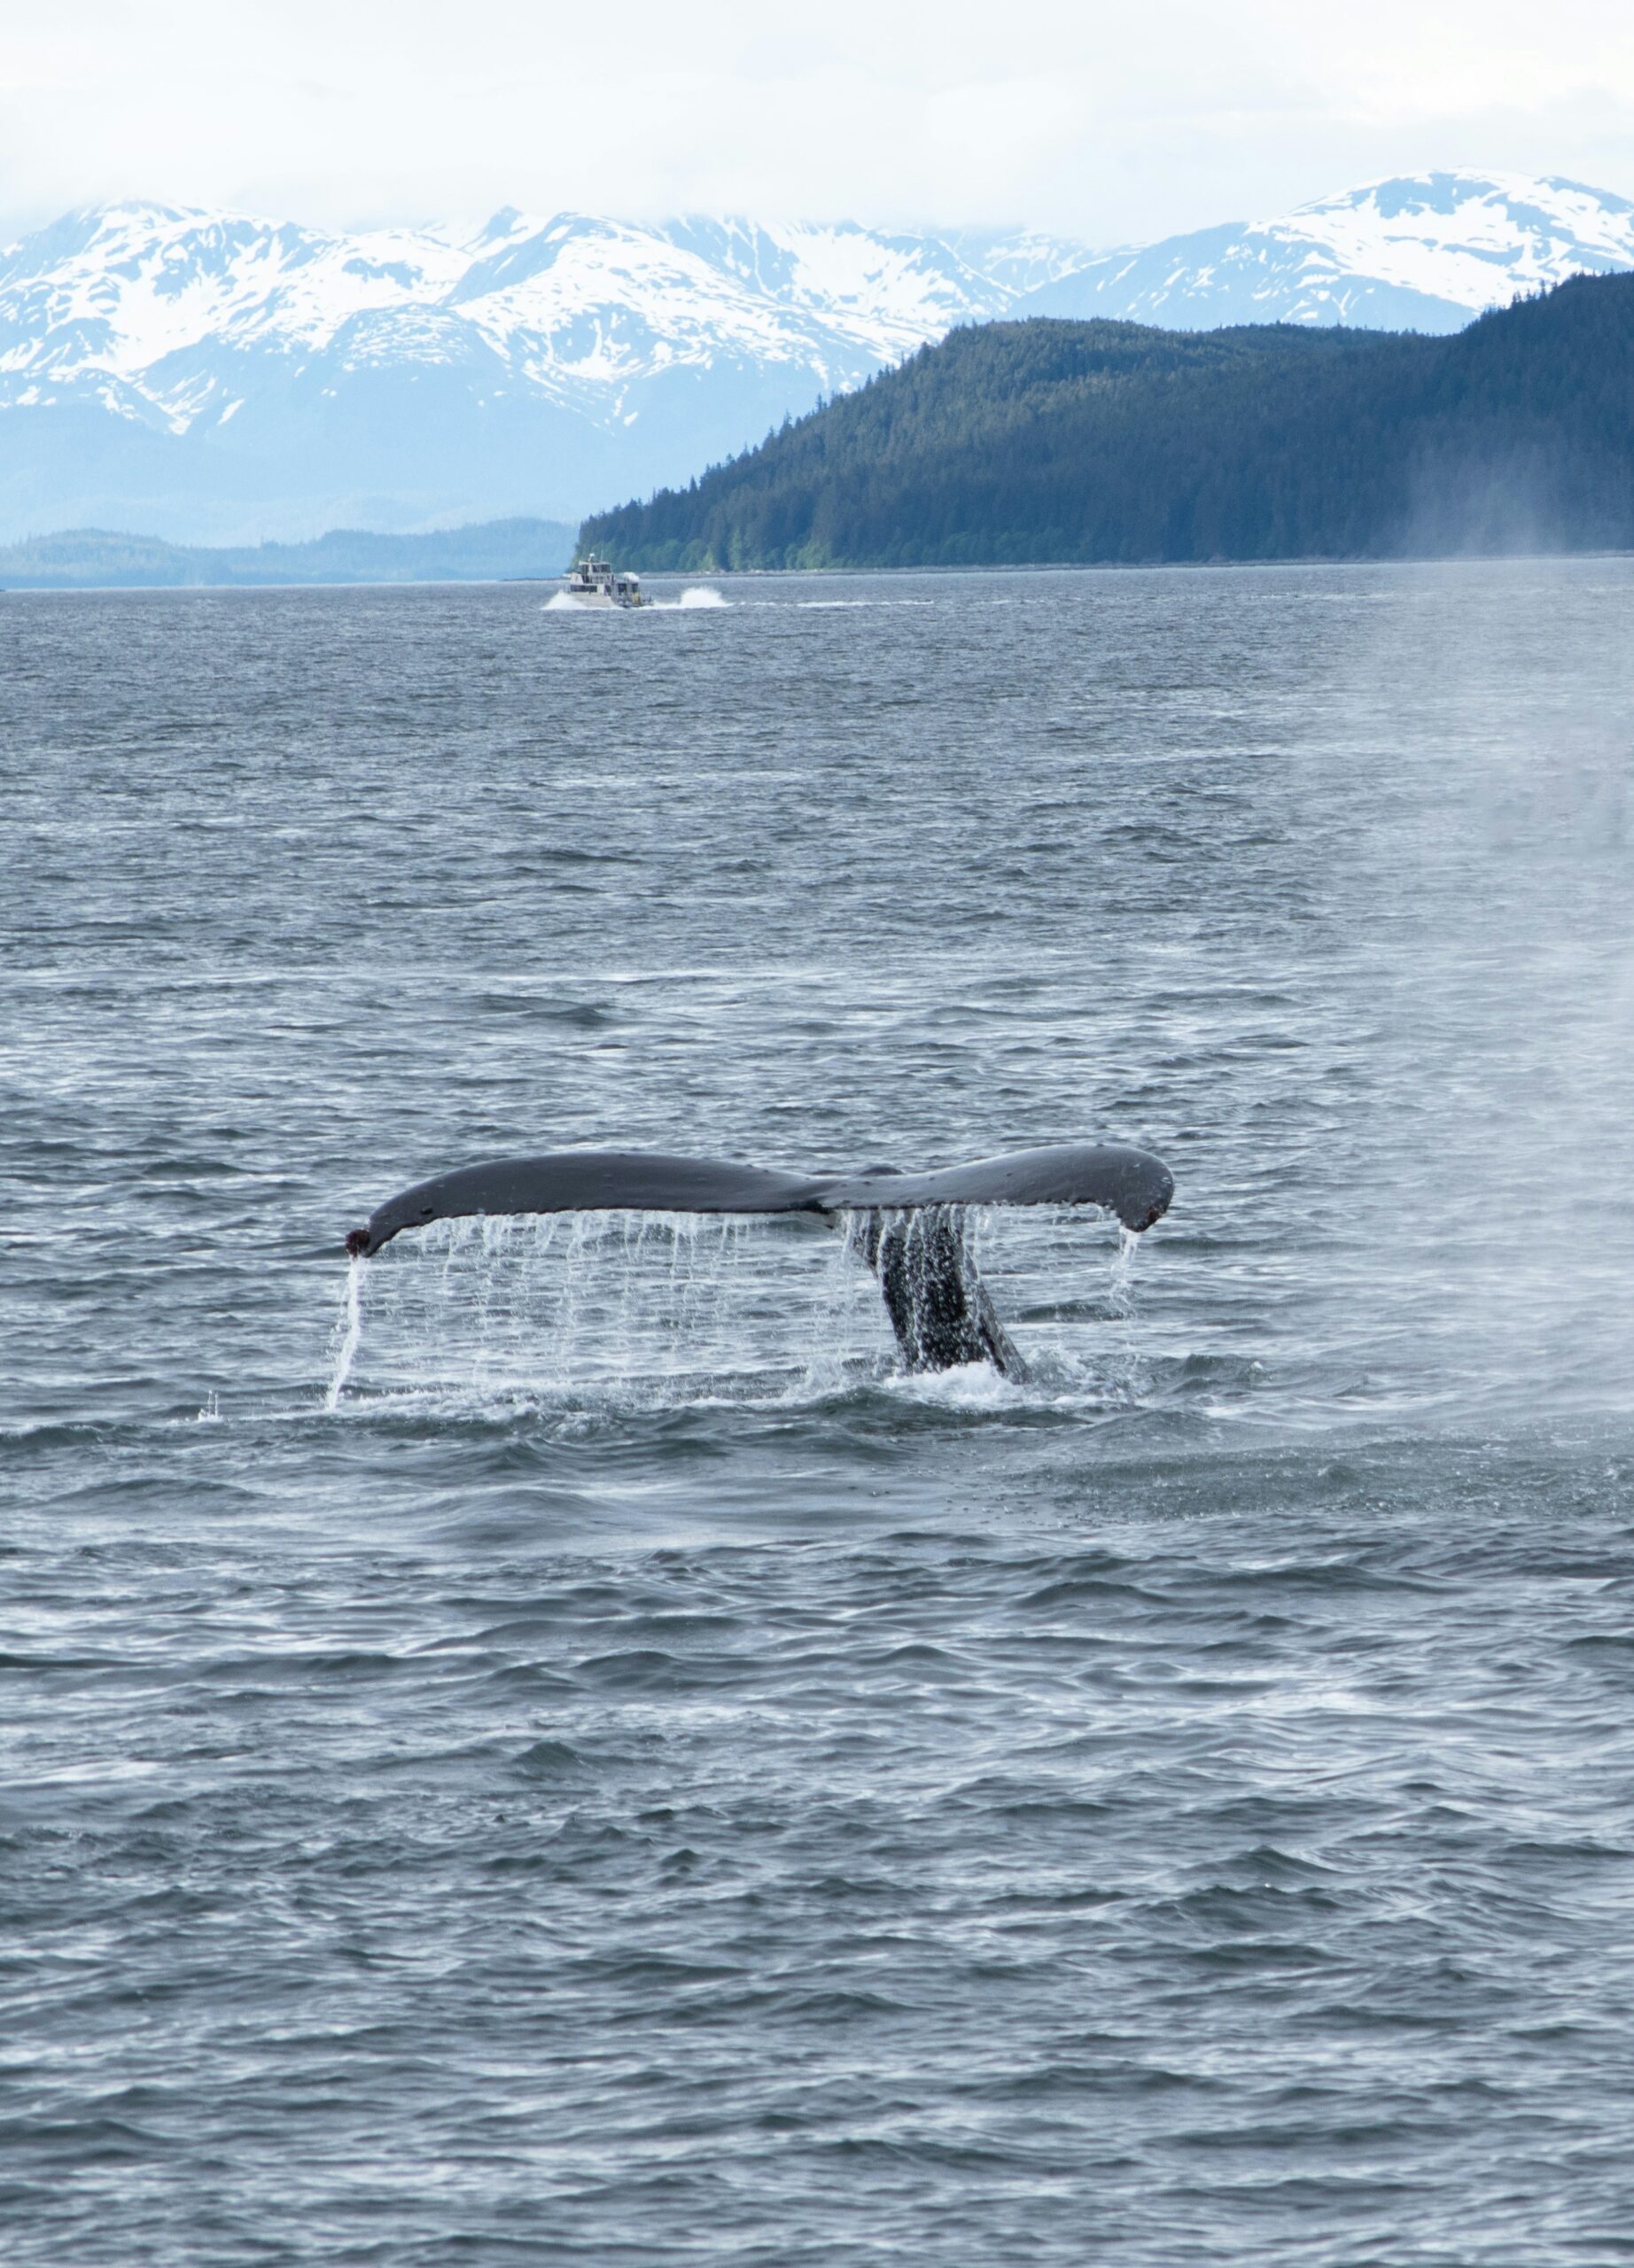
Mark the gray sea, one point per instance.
(549, 1748)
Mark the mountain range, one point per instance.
(208, 377)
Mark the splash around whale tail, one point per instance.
(913, 1234)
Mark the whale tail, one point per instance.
(940, 1311)
(913, 1229)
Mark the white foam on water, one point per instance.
(968, 1385)
(697, 598)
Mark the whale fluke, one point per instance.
(913, 1234)
(1132, 1183)
(586, 1181)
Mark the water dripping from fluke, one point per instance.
(912, 1232)
(1122, 1287)
(348, 1332)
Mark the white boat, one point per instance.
(592, 582)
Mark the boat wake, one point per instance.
(697, 598)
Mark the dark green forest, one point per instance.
(1032, 442)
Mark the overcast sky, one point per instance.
(1112, 122)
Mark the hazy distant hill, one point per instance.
(94, 559)
(1056, 440)
(214, 377)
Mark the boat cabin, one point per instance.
(594, 580)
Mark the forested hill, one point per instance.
(1080, 441)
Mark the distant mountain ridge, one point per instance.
(1424, 253)
(83, 559)
(1051, 440)
(212, 377)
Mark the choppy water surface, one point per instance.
(634, 1780)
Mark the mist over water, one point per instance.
(546, 1746)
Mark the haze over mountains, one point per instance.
(213, 378)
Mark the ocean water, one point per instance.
(574, 1758)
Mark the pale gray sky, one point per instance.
(1113, 122)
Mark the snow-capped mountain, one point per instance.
(211, 376)
(1423, 253)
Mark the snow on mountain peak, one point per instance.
(602, 354)
(126, 290)
(1475, 239)
(1415, 252)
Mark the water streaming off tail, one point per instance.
(647, 1306)
(1125, 1373)
(665, 1310)
(348, 1332)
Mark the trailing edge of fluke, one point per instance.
(913, 1238)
